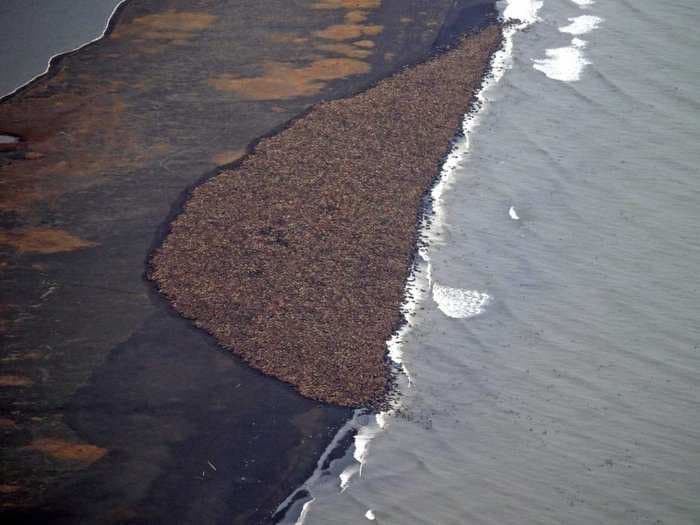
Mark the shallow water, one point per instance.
(573, 395)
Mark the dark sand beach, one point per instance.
(114, 409)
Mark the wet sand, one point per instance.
(111, 405)
(297, 259)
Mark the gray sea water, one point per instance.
(571, 230)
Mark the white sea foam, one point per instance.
(581, 25)
(420, 279)
(564, 63)
(362, 440)
(459, 303)
(567, 63)
(584, 3)
(349, 426)
(523, 10)
(304, 512)
(347, 474)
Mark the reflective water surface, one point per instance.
(35, 30)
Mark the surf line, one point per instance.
(516, 16)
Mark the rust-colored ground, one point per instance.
(68, 451)
(42, 240)
(297, 259)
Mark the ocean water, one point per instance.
(553, 354)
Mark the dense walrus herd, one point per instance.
(296, 259)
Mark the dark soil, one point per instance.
(296, 259)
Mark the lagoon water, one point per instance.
(572, 394)
(32, 31)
